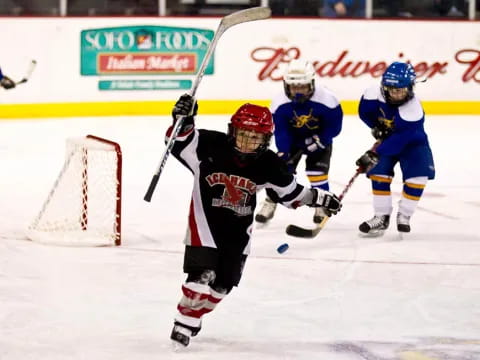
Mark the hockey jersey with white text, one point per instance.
(224, 188)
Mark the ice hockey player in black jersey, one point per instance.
(396, 118)
(307, 117)
(6, 82)
(228, 169)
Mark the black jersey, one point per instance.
(224, 189)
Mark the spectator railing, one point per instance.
(442, 9)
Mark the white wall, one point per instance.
(245, 66)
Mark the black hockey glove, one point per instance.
(7, 83)
(185, 106)
(381, 132)
(367, 161)
(330, 203)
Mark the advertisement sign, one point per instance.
(144, 50)
(145, 64)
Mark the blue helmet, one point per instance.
(398, 75)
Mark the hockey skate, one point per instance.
(194, 329)
(376, 226)
(403, 223)
(266, 212)
(319, 215)
(180, 336)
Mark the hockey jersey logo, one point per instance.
(383, 120)
(308, 120)
(236, 194)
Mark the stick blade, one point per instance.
(31, 67)
(251, 14)
(297, 231)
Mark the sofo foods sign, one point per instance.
(144, 50)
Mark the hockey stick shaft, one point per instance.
(29, 72)
(348, 186)
(357, 172)
(298, 231)
(341, 196)
(252, 14)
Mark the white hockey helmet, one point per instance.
(298, 80)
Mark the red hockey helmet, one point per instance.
(253, 117)
(251, 128)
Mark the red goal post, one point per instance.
(84, 205)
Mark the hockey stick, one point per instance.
(252, 14)
(298, 231)
(29, 72)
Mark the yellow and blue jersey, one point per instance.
(321, 115)
(408, 142)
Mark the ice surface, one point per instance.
(335, 297)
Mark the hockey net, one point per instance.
(84, 206)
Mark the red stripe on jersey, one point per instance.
(182, 134)
(169, 131)
(214, 300)
(192, 313)
(191, 294)
(185, 133)
(195, 238)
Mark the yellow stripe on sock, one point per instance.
(316, 178)
(381, 192)
(415, 186)
(404, 194)
(380, 179)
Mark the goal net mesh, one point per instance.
(83, 207)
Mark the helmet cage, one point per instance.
(249, 141)
(391, 99)
(297, 96)
(301, 74)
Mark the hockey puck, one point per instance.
(282, 248)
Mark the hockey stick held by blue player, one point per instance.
(364, 163)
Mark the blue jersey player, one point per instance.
(6, 82)
(396, 118)
(307, 117)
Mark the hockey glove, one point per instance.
(313, 144)
(367, 161)
(7, 83)
(330, 203)
(381, 132)
(185, 106)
